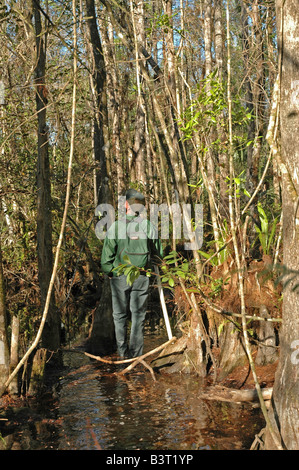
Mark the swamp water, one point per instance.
(93, 408)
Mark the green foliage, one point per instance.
(130, 271)
(238, 184)
(224, 250)
(217, 259)
(210, 108)
(267, 231)
(164, 22)
(237, 327)
(206, 109)
(175, 266)
(217, 285)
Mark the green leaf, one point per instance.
(127, 271)
(127, 259)
(185, 267)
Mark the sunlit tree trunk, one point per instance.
(222, 156)
(114, 89)
(248, 93)
(138, 165)
(258, 89)
(251, 50)
(178, 159)
(285, 400)
(4, 351)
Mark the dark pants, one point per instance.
(134, 296)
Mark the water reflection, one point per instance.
(94, 408)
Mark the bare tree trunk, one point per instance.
(100, 103)
(285, 401)
(222, 156)
(251, 50)
(14, 351)
(248, 94)
(209, 137)
(258, 89)
(4, 352)
(177, 152)
(138, 164)
(114, 104)
(51, 332)
(40, 356)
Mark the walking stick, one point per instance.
(163, 303)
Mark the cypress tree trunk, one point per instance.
(102, 335)
(100, 103)
(284, 411)
(115, 105)
(51, 332)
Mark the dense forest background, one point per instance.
(177, 98)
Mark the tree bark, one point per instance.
(101, 340)
(51, 332)
(267, 351)
(222, 156)
(138, 164)
(100, 105)
(248, 93)
(4, 352)
(284, 412)
(208, 67)
(115, 105)
(14, 352)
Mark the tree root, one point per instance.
(135, 360)
(258, 443)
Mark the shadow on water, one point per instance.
(92, 407)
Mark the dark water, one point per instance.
(93, 407)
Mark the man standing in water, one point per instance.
(132, 240)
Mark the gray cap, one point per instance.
(133, 194)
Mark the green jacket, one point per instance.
(134, 238)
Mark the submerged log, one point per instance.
(220, 393)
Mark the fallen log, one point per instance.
(234, 395)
